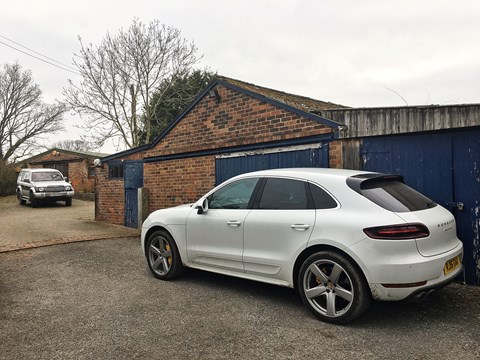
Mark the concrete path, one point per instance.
(23, 227)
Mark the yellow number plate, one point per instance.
(451, 265)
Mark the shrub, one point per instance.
(8, 179)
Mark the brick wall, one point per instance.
(109, 197)
(78, 176)
(335, 154)
(177, 182)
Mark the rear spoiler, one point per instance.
(364, 181)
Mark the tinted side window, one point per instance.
(233, 196)
(395, 196)
(321, 198)
(285, 194)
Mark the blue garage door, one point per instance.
(445, 167)
(227, 167)
(133, 177)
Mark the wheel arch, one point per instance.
(322, 247)
(150, 232)
(177, 238)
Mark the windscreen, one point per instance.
(394, 195)
(47, 176)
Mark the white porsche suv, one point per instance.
(340, 237)
(43, 185)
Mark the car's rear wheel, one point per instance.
(162, 256)
(333, 287)
(20, 200)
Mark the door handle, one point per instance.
(300, 227)
(234, 223)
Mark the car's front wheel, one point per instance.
(33, 201)
(333, 287)
(162, 256)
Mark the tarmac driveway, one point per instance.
(24, 227)
(97, 300)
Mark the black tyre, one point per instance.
(333, 287)
(68, 202)
(20, 200)
(33, 201)
(163, 257)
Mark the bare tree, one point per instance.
(119, 77)
(24, 118)
(74, 145)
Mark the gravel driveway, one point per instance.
(25, 227)
(96, 300)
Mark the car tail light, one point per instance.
(398, 232)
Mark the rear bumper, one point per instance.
(418, 293)
(405, 273)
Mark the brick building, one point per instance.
(77, 166)
(230, 128)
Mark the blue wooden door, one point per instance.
(446, 168)
(227, 167)
(466, 179)
(133, 176)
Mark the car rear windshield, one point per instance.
(394, 195)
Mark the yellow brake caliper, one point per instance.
(169, 260)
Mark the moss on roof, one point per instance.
(300, 102)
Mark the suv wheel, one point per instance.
(33, 201)
(20, 200)
(333, 287)
(162, 256)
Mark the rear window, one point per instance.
(394, 195)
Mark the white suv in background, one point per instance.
(43, 185)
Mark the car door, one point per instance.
(26, 184)
(278, 227)
(215, 237)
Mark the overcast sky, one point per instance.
(343, 51)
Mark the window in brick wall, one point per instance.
(91, 172)
(115, 170)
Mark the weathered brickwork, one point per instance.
(236, 120)
(335, 154)
(177, 182)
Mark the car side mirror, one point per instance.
(201, 206)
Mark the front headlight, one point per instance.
(40, 189)
(68, 188)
